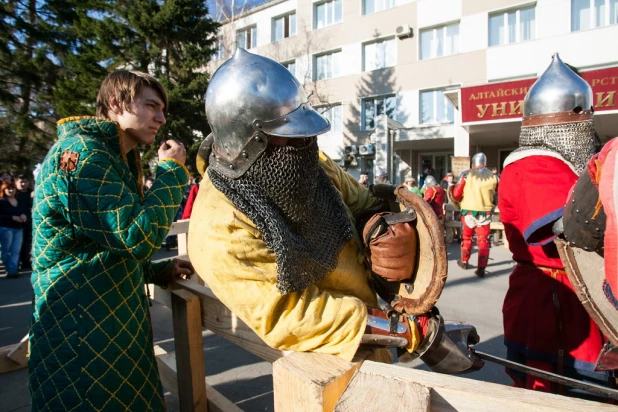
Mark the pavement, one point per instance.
(246, 379)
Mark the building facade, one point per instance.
(451, 74)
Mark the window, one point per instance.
(247, 37)
(436, 108)
(334, 114)
(327, 66)
(376, 106)
(220, 51)
(440, 41)
(588, 14)
(291, 66)
(374, 6)
(284, 27)
(379, 54)
(327, 13)
(512, 26)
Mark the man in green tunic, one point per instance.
(94, 234)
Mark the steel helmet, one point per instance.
(430, 181)
(559, 89)
(479, 160)
(249, 98)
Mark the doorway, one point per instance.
(437, 163)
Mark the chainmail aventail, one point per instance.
(575, 142)
(296, 208)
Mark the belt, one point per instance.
(550, 271)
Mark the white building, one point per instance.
(451, 73)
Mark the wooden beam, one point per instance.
(452, 393)
(377, 393)
(179, 226)
(190, 354)
(167, 371)
(7, 364)
(310, 382)
(21, 352)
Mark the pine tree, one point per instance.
(32, 34)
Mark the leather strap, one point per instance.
(557, 118)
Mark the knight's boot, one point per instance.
(462, 264)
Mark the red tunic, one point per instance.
(532, 195)
(436, 196)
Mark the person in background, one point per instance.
(24, 196)
(410, 183)
(447, 181)
(91, 343)
(434, 195)
(382, 177)
(6, 177)
(186, 213)
(364, 179)
(476, 190)
(148, 182)
(12, 221)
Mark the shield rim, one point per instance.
(584, 282)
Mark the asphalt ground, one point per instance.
(244, 378)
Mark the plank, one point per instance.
(394, 395)
(450, 393)
(310, 382)
(21, 352)
(179, 226)
(167, 371)
(190, 357)
(7, 364)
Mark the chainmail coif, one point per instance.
(296, 208)
(575, 142)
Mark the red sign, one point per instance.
(499, 101)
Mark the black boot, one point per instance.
(480, 272)
(462, 264)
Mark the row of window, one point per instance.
(505, 27)
(434, 108)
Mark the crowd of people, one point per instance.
(15, 223)
(307, 256)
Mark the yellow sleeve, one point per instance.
(356, 196)
(241, 271)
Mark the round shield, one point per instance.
(586, 271)
(420, 294)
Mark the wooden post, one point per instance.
(189, 352)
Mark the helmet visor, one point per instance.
(304, 121)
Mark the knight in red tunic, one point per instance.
(545, 325)
(475, 191)
(434, 195)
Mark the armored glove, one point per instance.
(391, 244)
(393, 330)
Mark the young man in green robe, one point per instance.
(95, 231)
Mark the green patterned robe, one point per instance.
(94, 233)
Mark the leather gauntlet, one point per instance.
(391, 244)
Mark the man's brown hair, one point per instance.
(124, 86)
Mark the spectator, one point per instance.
(12, 220)
(186, 213)
(382, 177)
(364, 179)
(6, 177)
(447, 181)
(24, 197)
(410, 183)
(90, 336)
(148, 182)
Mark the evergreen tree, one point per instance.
(32, 35)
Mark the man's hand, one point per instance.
(182, 269)
(173, 149)
(20, 218)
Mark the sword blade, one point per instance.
(573, 383)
